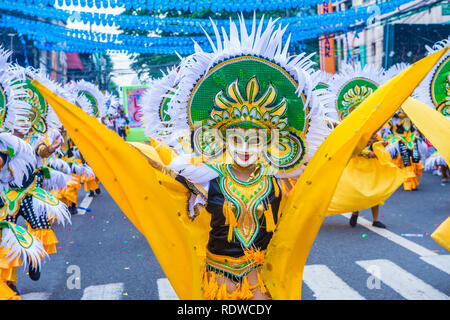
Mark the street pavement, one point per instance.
(102, 256)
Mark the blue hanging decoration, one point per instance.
(62, 38)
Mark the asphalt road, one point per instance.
(102, 255)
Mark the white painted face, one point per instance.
(245, 146)
(23, 127)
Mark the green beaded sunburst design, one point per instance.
(229, 96)
(38, 106)
(440, 88)
(352, 94)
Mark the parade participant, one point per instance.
(405, 143)
(45, 140)
(435, 92)
(122, 122)
(19, 195)
(407, 147)
(95, 103)
(69, 194)
(370, 177)
(370, 154)
(112, 112)
(252, 119)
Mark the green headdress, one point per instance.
(12, 110)
(352, 85)
(155, 102)
(434, 90)
(93, 94)
(37, 115)
(249, 81)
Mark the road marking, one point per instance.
(165, 290)
(442, 262)
(401, 281)
(85, 204)
(326, 285)
(111, 291)
(408, 244)
(35, 296)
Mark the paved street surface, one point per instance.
(112, 260)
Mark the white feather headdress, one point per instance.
(352, 85)
(264, 44)
(92, 93)
(13, 109)
(154, 105)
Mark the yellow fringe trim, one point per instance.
(276, 189)
(47, 237)
(254, 255)
(243, 291)
(270, 223)
(230, 219)
(262, 287)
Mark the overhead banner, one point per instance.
(133, 109)
(326, 43)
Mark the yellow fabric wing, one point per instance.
(197, 228)
(139, 192)
(308, 201)
(442, 234)
(436, 128)
(431, 124)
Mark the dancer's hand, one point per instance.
(371, 154)
(56, 143)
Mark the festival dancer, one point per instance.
(435, 92)
(20, 194)
(95, 103)
(407, 147)
(370, 177)
(44, 140)
(252, 119)
(406, 144)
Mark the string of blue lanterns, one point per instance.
(183, 5)
(60, 38)
(189, 25)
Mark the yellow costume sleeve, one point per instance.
(442, 234)
(431, 124)
(6, 293)
(199, 228)
(436, 128)
(138, 190)
(308, 201)
(366, 183)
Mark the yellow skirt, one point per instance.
(69, 195)
(8, 269)
(414, 171)
(6, 293)
(214, 287)
(47, 237)
(366, 183)
(90, 184)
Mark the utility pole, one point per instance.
(11, 35)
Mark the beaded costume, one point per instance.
(19, 194)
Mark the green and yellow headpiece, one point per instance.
(248, 82)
